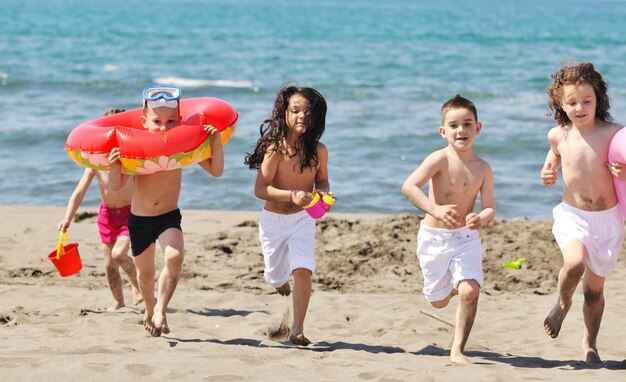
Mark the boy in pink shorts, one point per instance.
(112, 222)
(113, 227)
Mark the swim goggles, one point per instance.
(161, 96)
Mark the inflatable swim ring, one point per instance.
(144, 152)
(617, 153)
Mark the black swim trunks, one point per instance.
(145, 230)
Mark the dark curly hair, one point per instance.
(274, 129)
(577, 75)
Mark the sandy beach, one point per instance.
(367, 318)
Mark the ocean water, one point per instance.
(384, 67)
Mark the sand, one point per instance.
(367, 318)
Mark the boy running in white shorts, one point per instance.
(448, 246)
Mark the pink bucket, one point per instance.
(319, 205)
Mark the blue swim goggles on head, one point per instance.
(161, 96)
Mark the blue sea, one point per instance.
(384, 67)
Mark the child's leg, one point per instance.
(274, 245)
(173, 244)
(468, 291)
(120, 256)
(440, 304)
(284, 290)
(593, 308)
(144, 263)
(111, 269)
(573, 268)
(301, 296)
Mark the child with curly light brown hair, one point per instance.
(588, 225)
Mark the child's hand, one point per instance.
(472, 221)
(322, 192)
(549, 175)
(301, 198)
(214, 133)
(63, 225)
(114, 155)
(448, 215)
(618, 170)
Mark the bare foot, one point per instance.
(137, 297)
(299, 339)
(552, 323)
(284, 290)
(149, 326)
(458, 357)
(592, 357)
(160, 323)
(115, 306)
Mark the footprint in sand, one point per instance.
(99, 367)
(139, 369)
(368, 376)
(225, 377)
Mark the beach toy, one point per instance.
(517, 264)
(319, 205)
(146, 152)
(65, 257)
(617, 153)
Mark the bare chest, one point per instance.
(288, 172)
(159, 183)
(459, 181)
(584, 156)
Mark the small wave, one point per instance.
(111, 67)
(4, 78)
(195, 83)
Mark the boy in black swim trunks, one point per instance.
(154, 209)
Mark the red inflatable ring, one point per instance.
(145, 152)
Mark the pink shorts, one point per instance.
(112, 222)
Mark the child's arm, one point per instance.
(487, 203)
(76, 199)
(549, 171)
(322, 186)
(116, 177)
(215, 164)
(263, 188)
(617, 169)
(412, 189)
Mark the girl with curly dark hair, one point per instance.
(292, 164)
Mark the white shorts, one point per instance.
(601, 232)
(447, 257)
(288, 243)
